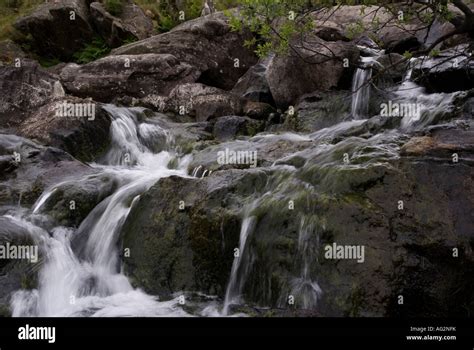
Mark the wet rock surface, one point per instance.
(30, 169)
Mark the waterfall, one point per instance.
(93, 285)
(239, 270)
(417, 108)
(361, 89)
(304, 288)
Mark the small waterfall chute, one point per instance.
(361, 89)
(93, 285)
(239, 270)
(304, 288)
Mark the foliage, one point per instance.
(170, 15)
(93, 51)
(10, 11)
(275, 22)
(114, 7)
(48, 62)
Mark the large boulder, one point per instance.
(313, 65)
(229, 127)
(24, 90)
(203, 102)
(295, 212)
(130, 24)
(16, 274)
(28, 169)
(85, 136)
(253, 85)
(451, 70)
(127, 75)
(59, 29)
(86, 193)
(173, 250)
(208, 44)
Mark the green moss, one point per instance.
(358, 198)
(5, 311)
(48, 62)
(114, 7)
(27, 282)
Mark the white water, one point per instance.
(307, 291)
(239, 271)
(94, 285)
(44, 197)
(361, 89)
(427, 106)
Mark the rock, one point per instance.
(329, 31)
(9, 52)
(127, 75)
(320, 110)
(85, 137)
(184, 135)
(186, 249)
(268, 149)
(35, 169)
(203, 102)
(450, 71)
(19, 273)
(258, 110)
(253, 85)
(136, 21)
(86, 192)
(365, 41)
(294, 75)
(25, 89)
(390, 70)
(352, 205)
(442, 143)
(401, 41)
(229, 127)
(207, 44)
(371, 21)
(55, 33)
(131, 24)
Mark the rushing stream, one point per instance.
(89, 281)
(94, 285)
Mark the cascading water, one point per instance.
(70, 285)
(304, 288)
(238, 273)
(417, 107)
(361, 89)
